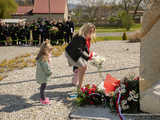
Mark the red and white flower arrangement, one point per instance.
(90, 95)
(121, 96)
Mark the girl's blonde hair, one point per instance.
(86, 29)
(45, 48)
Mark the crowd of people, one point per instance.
(36, 31)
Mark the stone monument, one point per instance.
(150, 59)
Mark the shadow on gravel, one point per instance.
(66, 76)
(13, 103)
(67, 85)
(56, 96)
(10, 83)
(96, 72)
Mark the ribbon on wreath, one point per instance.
(119, 106)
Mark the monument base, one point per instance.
(150, 100)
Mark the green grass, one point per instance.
(106, 38)
(114, 29)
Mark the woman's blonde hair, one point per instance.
(86, 29)
(45, 48)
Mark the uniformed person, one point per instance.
(53, 33)
(21, 34)
(69, 26)
(60, 33)
(27, 33)
(2, 36)
(14, 33)
(35, 33)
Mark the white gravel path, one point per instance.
(13, 51)
(19, 93)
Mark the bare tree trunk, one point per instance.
(125, 6)
(135, 11)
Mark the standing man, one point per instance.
(69, 29)
(60, 33)
(2, 35)
(27, 33)
(14, 34)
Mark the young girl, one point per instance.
(77, 52)
(43, 71)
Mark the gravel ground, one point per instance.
(19, 92)
(13, 51)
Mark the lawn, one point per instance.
(115, 29)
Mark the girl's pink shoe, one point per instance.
(45, 102)
(75, 79)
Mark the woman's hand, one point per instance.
(90, 55)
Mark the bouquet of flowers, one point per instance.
(126, 96)
(90, 95)
(54, 30)
(97, 61)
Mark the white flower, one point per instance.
(101, 86)
(129, 99)
(124, 105)
(123, 102)
(123, 91)
(136, 96)
(97, 61)
(133, 96)
(123, 86)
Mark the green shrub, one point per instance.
(124, 36)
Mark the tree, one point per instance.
(138, 2)
(94, 10)
(77, 14)
(134, 5)
(7, 7)
(126, 20)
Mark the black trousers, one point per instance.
(42, 88)
(68, 37)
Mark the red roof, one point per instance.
(21, 10)
(56, 6)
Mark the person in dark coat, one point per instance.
(53, 33)
(48, 27)
(35, 33)
(27, 33)
(60, 33)
(77, 52)
(21, 35)
(6, 33)
(42, 31)
(14, 33)
(2, 35)
(69, 26)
